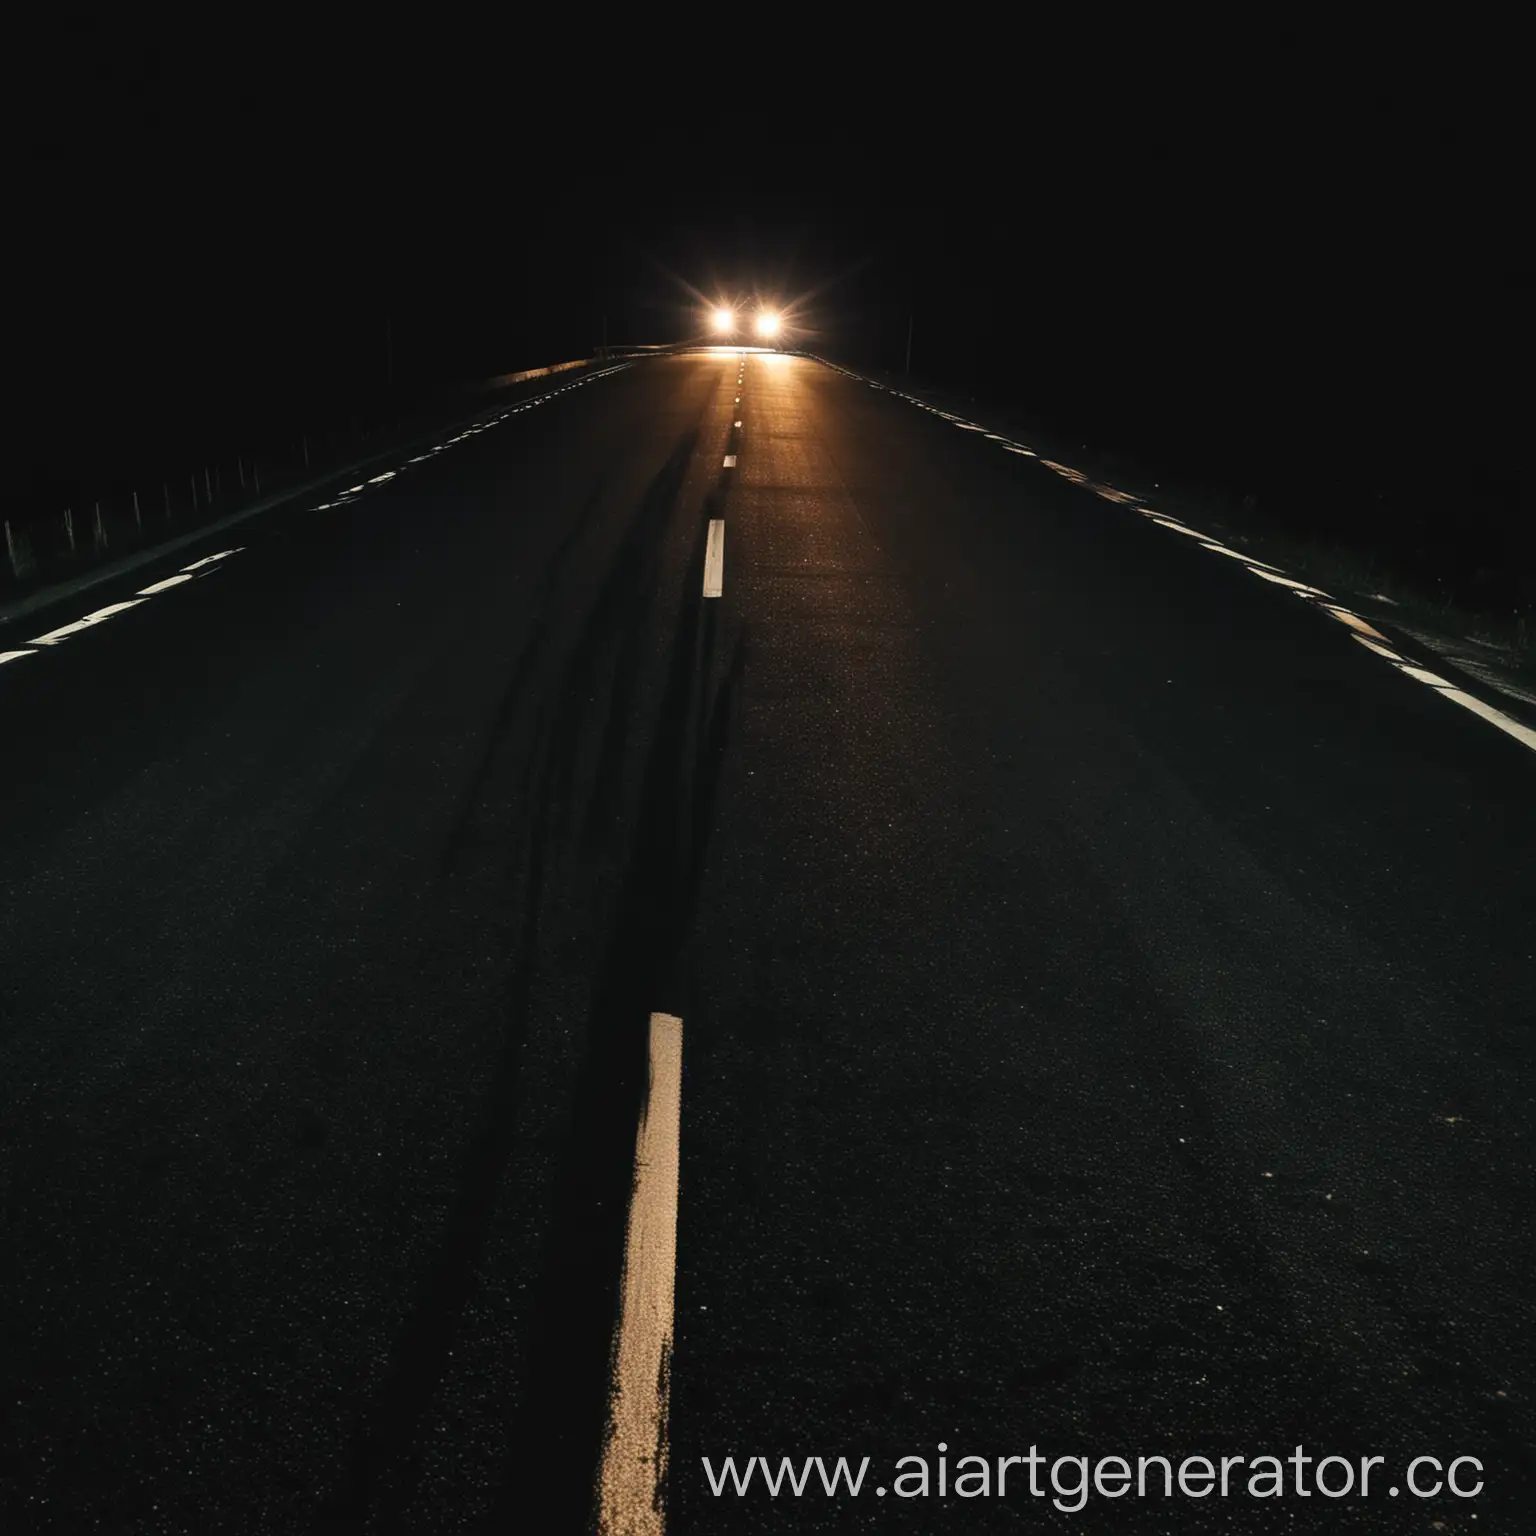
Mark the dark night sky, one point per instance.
(1249, 259)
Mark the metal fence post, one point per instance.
(69, 527)
(138, 518)
(100, 529)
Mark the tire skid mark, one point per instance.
(536, 761)
(566, 1418)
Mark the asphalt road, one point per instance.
(1108, 1015)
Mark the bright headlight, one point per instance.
(767, 325)
(723, 320)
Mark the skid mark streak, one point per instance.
(602, 804)
(565, 1421)
(519, 683)
(385, 1469)
(608, 650)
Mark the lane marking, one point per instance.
(223, 554)
(1380, 650)
(1521, 733)
(714, 558)
(55, 635)
(635, 1452)
(730, 461)
(1236, 554)
(1076, 476)
(1286, 581)
(1448, 690)
(92, 619)
(735, 423)
(1344, 616)
(1365, 633)
(170, 581)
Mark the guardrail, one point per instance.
(503, 380)
(46, 547)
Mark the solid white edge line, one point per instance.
(6, 656)
(635, 1449)
(714, 558)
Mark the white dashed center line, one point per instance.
(223, 554)
(55, 635)
(1522, 733)
(1236, 554)
(1344, 616)
(730, 461)
(635, 1456)
(714, 558)
(1286, 581)
(170, 581)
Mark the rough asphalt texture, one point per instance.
(1108, 998)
